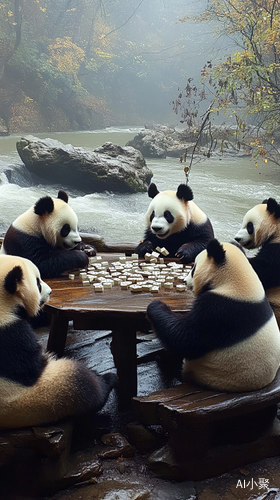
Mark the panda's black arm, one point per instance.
(197, 238)
(212, 323)
(50, 261)
(57, 261)
(179, 332)
(267, 265)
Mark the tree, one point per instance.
(246, 84)
(10, 25)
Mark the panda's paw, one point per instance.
(156, 306)
(111, 380)
(143, 248)
(183, 253)
(90, 250)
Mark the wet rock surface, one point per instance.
(109, 167)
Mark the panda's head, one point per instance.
(20, 287)
(56, 221)
(224, 269)
(260, 224)
(169, 211)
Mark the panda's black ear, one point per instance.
(152, 190)
(273, 207)
(44, 206)
(184, 192)
(63, 195)
(12, 279)
(215, 250)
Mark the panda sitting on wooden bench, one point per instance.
(35, 388)
(230, 340)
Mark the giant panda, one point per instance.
(261, 229)
(176, 223)
(229, 339)
(47, 234)
(35, 388)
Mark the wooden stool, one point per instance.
(212, 432)
(39, 459)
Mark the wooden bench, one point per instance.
(210, 432)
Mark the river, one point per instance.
(225, 188)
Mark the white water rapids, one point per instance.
(224, 188)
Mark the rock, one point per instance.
(116, 446)
(48, 441)
(17, 174)
(159, 142)
(107, 168)
(162, 463)
(141, 437)
(83, 467)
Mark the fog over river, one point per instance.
(224, 188)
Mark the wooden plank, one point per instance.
(217, 406)
(191, 402)
(146, 407)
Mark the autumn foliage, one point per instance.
(245, 85)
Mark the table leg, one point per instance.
(57, 335)
(125, 358)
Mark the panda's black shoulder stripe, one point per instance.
(214, 322)
(224, 322)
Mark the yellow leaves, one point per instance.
(10, 13)
(66, 56)
(28, 100)
(43, 9)
(102, 54)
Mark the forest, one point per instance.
(89, 64)
(86, 64)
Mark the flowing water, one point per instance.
(225, 188)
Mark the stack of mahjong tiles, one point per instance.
(130, 273)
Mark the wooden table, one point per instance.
(118, 310)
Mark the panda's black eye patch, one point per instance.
(250, 228)
(65, 230)
(152, 216)
(168, 216)
(39, 285)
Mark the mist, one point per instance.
(99, 63)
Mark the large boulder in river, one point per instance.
(160, 141)
(107, 168)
